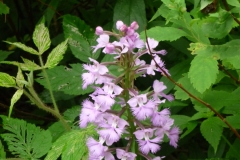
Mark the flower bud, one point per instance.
(109, 48)
(134, 25)
(99, 30)
(119, 24)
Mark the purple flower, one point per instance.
(103, 100)
(134, 25)
(146, 141)
(153, 44)
(95, 73)
(137, 100)
(123, 155)
(173, 135)
(158, 88)
(144, 111)
(112, 128)
(96, 148)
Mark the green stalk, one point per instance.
(36, 100)
(48, 84)
(127, 80)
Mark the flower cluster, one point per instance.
(118, 90)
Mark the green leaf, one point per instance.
(50, 11)
(4, 9)
(234, 121)
(41, 38)
(30, 66)
(217, 27)
(219, 99)
(17, 95)
(81, 38)
(191, 125)
(224, 51)
(129, 11)
(211, 130)
(56, 55)
(72, 113)
(6, 80)
(164, 33)
(181, 121)
(234, 150)
(72, 145)
(203, 72)
(234, 61)
(20, 78)
(26, 66)
(234, 3)
(204, 3)
(26, 140)
(56, 130)
(185, 82)
(24, 47)
(4, 54)
(2, 152)
(65, 79)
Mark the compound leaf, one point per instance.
(26, 140)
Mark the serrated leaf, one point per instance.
(234, 121)
(4, 54)
(71, 145)
(129, 11)
(191, 125)
(181, 120)
(224, 51)
(164, 33)
(56, 55)
(67, 80)
(185, 82)
(17, 95)
(57, 129)
(234, 61)
(41, 38)
(81, 38)
(26, 140)
(6, 80)
(24, 47)
(27, 66)
(203, 72)
(219, 99)
(217, 27)
(31, 66)
(71, 113)
(4, 9)
(20, 78)
(211, 130)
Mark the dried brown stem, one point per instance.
(191, 95)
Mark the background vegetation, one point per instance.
(203, 44)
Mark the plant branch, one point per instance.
(229, 74)
(36, 100)
(48, 85)
(191, 95)
(227, 8)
